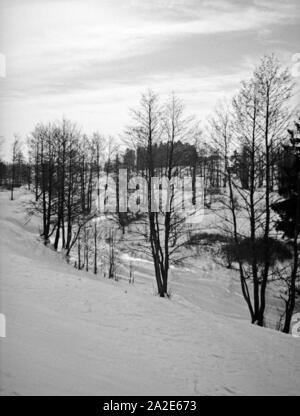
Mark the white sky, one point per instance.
(89, 60)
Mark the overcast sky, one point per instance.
(89, 60)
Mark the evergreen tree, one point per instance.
(289, 212)
(288, 209)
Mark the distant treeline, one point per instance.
(205, 161)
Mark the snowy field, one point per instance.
(69, 333)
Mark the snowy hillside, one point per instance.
(68, 333)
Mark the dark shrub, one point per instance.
(245, 250)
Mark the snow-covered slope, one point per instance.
(70, 334)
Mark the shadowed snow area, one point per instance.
(68, 333)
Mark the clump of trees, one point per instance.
(160, 135)
(17, 171)
(63, 162)
(288, 223)
(249, 134)
(67, 167)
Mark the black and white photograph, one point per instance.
(149, 201)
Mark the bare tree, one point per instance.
(17, 157)
(165, 226)
(256, 122)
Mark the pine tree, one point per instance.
(289, 212)
(288, 209)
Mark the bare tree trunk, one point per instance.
(79, 252)
(290, 303)
(95, 249)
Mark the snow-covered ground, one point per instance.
(68, 333)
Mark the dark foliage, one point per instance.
(246, 249)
